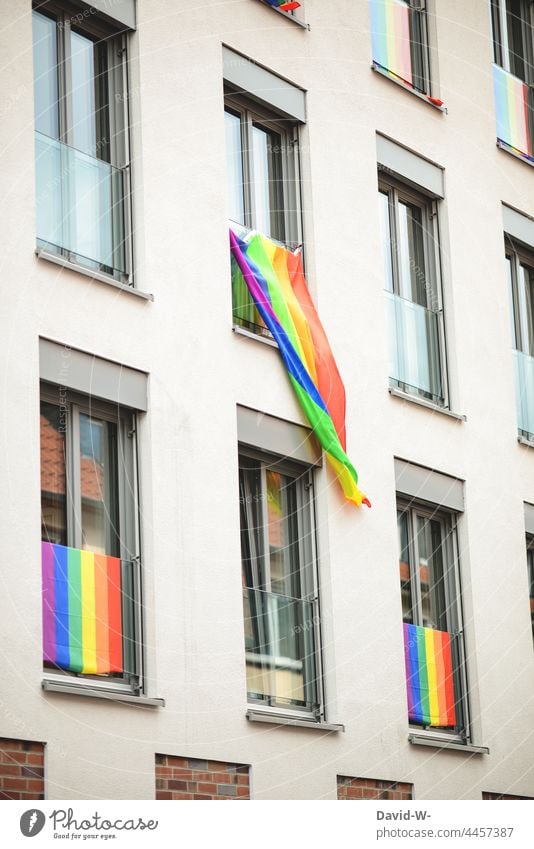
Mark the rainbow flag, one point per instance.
(429, 679)
(512, 111)
(82, 619)
(390, 32)
(275, 279)
(283, 5)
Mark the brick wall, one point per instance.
(189, 778)
(503, 796)
(21, 769)
(372, 788)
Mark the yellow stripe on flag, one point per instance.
(88, 612)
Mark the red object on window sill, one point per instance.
(289, 7)
(435, 100)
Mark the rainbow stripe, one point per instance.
(390, 31)
(429, 678)
(512, 110)
(82, 618)
(275, 279)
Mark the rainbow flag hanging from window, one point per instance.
(275, 279)
(429, 678)
(512, 112)
(390, 32)
(82, 618)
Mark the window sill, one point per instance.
(292, 18)
(95, 693)
(93, 275)
(285, 719)
(405, 396)
(523, 157)
(523, 440)
(443, 743)
(424, 97)
(242, 331)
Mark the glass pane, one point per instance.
(98, 484)
(250, 508)
(524, 376)
(434, 612)
(497, 37)
(414, 353)
(385, 232)
(511, 300)
(418, 42)
(268, 212)
(283, 534)
(526, 309)
(45, 80)
(90, 119)
(53, 474)
(405, 567)
(519, 39)
(234, 167)
(413, 284)
(280, 649)
(79, 205)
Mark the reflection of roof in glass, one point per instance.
(53, 466)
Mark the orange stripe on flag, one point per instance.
(102, 613)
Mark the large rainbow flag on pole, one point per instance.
(429, 678)
(275, 279)
(82, 619)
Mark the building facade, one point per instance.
(203, 614)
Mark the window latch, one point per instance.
(131, 433)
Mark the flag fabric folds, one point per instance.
(512, 112)
(275, 279)
(82, 618)
(429, 678)
(284, 5)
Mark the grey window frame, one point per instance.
(251, 113)
(67, 19)
(518, 256)
(308, 555)
(125, 420)
(530, 568)
(422, 71)
(501, 48)
(398, 191)
(448, 520)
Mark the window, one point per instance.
(409, 231)
(530, 560)
(513, 37)
(520, 275)
(81, 140)
(513, 50)
(279, 584)
(400, 42)
(91, 578)
(263, 187)
(431, 611)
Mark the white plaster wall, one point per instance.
(199, 370)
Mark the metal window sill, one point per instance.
(93, 275)
(523, 157)
(405, 396)
(424, 97)
(292, 18)
(285, 719)
(442, 743)
(95, 693)
(242, 331)
(523, 440)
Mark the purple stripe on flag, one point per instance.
(49, 603)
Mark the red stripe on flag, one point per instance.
(449, 681)
(115, 614)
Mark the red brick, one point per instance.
(163, 771)
(243, 779)
(6, 743)
(203, 787)
(172, 784)
(219, 766)
(243, 792)
(13, 783)
(35, 785)
(201, 796)
(36, 758)
(10, 769)
(17, 757)
(163, 794)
